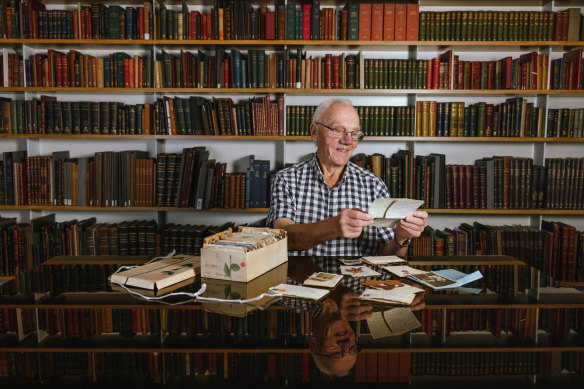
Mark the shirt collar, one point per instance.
(318, 171)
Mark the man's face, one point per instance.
(334, 152)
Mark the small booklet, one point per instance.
(350, 262)
(400, 295)
(160, 274)
(395, 321)
(323, 280)
(402, 270)
(388, 212)
(444, 279)
(300, 292)
(383, 260)
(358, 271)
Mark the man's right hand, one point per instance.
(352, 221)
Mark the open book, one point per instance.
(379, 260)
(160, 274)
(395, 321)
(401, 294)
(388, 212)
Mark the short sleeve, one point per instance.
(283, 201)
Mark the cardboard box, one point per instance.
(235, 263)
(233, 290)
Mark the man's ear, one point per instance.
(313, 130)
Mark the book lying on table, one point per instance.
(299, 292)
(402, 270)
(383, 260)
(395, 321)
(388, 212)
(323, 280)
(160, 274)
(401, 294)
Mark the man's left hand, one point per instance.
(412, 226)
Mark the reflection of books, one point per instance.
(299, 292)
(402, 270)
(444, 279)
(160, 274)
(383, 260)
(399, 295)
(323, 280)
(388, 212)
(358, 271)
(395, 321)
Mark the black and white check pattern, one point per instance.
(301, 194)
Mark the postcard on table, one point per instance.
(358, 271)
(445, 279)
(401, 295)
(388, 212)
(299, 292)
(323, 280)
(383, 260)
(350, 262)
(402, 270)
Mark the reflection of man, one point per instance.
(320, 202)
(332, 345)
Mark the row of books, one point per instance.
(477, 363)
(375, 120)
(382, 367)
(260, 116)
(289, 69)
(130, 178)
(520, 322)
(272, 327)
(560, 323)
(556, 249)
(493, 182)
(488, 25)
(514, 118)
(166, 116)
(32, 20)
(239, 20)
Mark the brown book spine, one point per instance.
(365, 22)
(377, 22)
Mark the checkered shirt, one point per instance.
(301, 194)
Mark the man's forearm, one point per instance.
(307, 236)
(392, 248)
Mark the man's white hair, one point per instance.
(325, 105)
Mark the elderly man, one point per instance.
(321, 203)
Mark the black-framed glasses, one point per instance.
(354, 349)
(340, 132)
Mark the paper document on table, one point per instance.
(388, 212)
(395, 321)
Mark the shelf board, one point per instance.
(280, 43)
(454, 211)
(342, 92)
(370, 138)
(465, 260)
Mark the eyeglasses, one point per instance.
(354, 349)
(340, 133)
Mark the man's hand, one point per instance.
(411, 227)
(419, 303)
(351, 308)
(352, 221)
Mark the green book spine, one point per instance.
(353, 24)
(290, 21)
(481, 117)
(391, 122)
(424, 15)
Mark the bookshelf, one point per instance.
(280, 150)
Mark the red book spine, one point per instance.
(412, 21)
(377, 22)
(436, 73)
(141, 21)
(336, 72)
(400, 22)
(388, 22)
(127, 66)
(344, 24)
(225, 73)
(364, 22)
(328, 66)
(306, 9)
